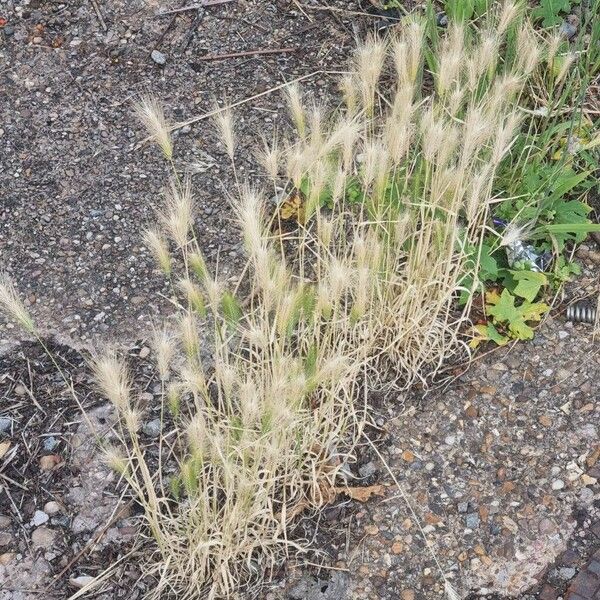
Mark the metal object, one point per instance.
(518, 251)
(582, 312)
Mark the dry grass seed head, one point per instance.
(510, 11)
(226, 129)
(159, 247)
(369, 60)
(113, 379)
(12, 305)
(151, 114)
(296, 107)
(179, 215)
(165, 349)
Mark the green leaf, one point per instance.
(549, 11)
(529, 284)
(502, 308)
(485, 333)
(488, 265)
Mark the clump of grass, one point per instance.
(261, 397)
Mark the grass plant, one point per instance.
(352, 283)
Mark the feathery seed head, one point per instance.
(528, 50)
(164, 350)
(349, 87)
(250, 213)
(369, 59)
(188, 332)
(113, 379)
(193, 295)
(151, 115)
(296, 107)
(225, 126)
(12, 305)
(510, 11)
(179, 214)
(115, 460)
(158, 246)
(132, 419)
(270, 158)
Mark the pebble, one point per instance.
(42, 537)
(567, 30)
(5, 424)
(558, 484)
(152, 428)
(566, 573)
(6, 558)
(80, 582)
(39, 518)
(50, 443)
(441, 19)
(368, 469)
(144, 352)
(52, 508)
(472, 521)
(158, 57)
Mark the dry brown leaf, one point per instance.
(362, 494)
(4, 446)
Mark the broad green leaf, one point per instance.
(529, 284)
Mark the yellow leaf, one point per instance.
(492, 296)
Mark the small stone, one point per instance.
(587, 480)
(6, 558)
(39, 518)
(20, 390)
(441, 19)
(408, 456)
(49, 462)
(472, 521)
(567, 30)
(372, 529)
(566, 573)
(408, 595)
(471, 412)
(152, 428)
(52, 508)
(50, 443)
(368, 469)
(80, 582)
(546, 526)
(463, 507)
(563, 334)
(545, 420)
(397, 547)
(558, 484)
(42, 537)
(144, 352)
(5, 424)
(158, 57)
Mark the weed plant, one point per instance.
(351, 284)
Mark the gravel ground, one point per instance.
(77, 190)
(501, 465)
